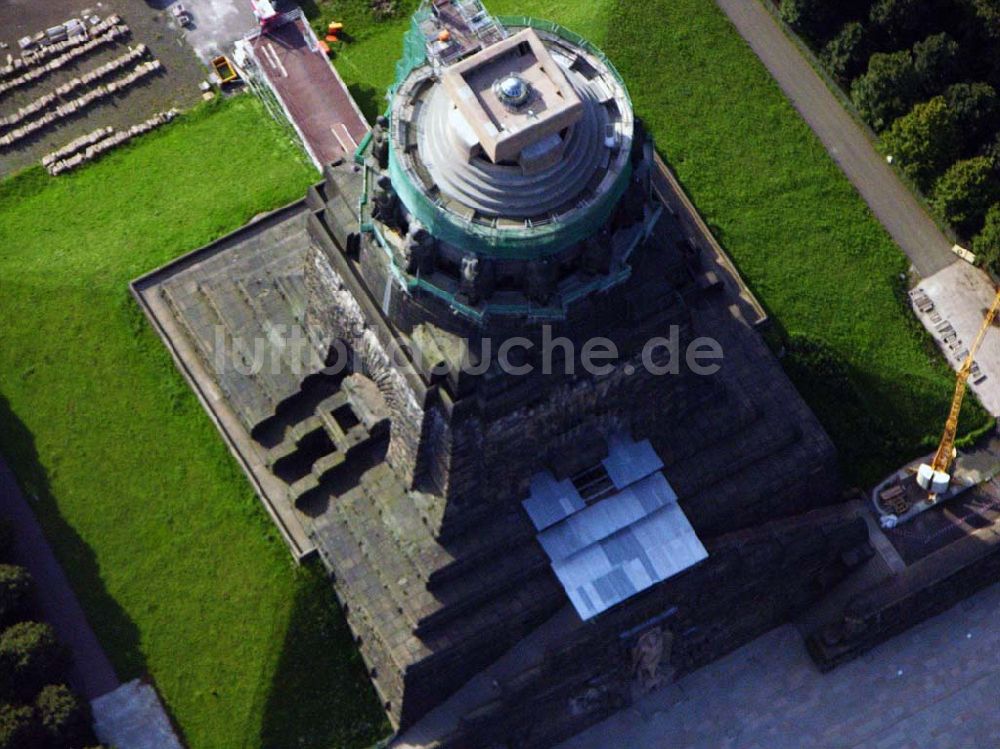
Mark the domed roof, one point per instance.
(518, 151)
(513, 90)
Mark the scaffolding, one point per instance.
(532, 239)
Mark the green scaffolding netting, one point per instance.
(414, 49)
(507, 242)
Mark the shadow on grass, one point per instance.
(117, 632)
(370, 99)
(877, 425)
(320, 696)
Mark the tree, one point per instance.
(30, 658)
(975, 107)
(6, 540)
(15, 586)
(988, 13)
(925, 141)
(965, 192)
(888, 89)
(816, 20)
(63, 717)
(936, 62)
(18, 729)
(810, 18)
(846, 53)
(901, 22)
(992, 152)
(987, 242)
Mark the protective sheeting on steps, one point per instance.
(616, 546)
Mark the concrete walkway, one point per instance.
(890, 200)
(132, 717)
(934, 686)
(91, 674)
(960, 294)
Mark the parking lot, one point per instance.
(175, 84)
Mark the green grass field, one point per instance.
(179, 569)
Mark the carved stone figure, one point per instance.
(380, 142)
(468, 285)
(386, 204)
(648, 655)
(418, 250)
(541, 281)
(596, 256)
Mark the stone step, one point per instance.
(311, 443)
(253, 404)
(238, 318)
(338, 477)
(388, 648)
(296, 408)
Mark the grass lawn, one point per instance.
(803, 238)
(179, 569)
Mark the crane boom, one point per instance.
(946, 449)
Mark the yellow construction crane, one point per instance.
(935, 477)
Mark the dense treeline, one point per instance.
(925, 75)
(37, 711)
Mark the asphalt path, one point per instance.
(850, 146)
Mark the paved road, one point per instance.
(890, 200)
(91, 674)
(933, 687)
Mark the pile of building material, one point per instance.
(73, 29)
(35, 53)
(94, 144)
(36, 73)
(81, 102)
(43, 102)
(28, 111)
(77, 144)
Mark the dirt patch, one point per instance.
(176, 85)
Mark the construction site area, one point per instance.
(100, 75)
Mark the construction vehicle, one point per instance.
(181, 14)
(934, 476)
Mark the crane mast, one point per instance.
(936, 479)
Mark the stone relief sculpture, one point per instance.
(649, 653)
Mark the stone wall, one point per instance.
(334, 308)
(924, 589)
(752, 581)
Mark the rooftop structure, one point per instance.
(514, 100)
(617, 534)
